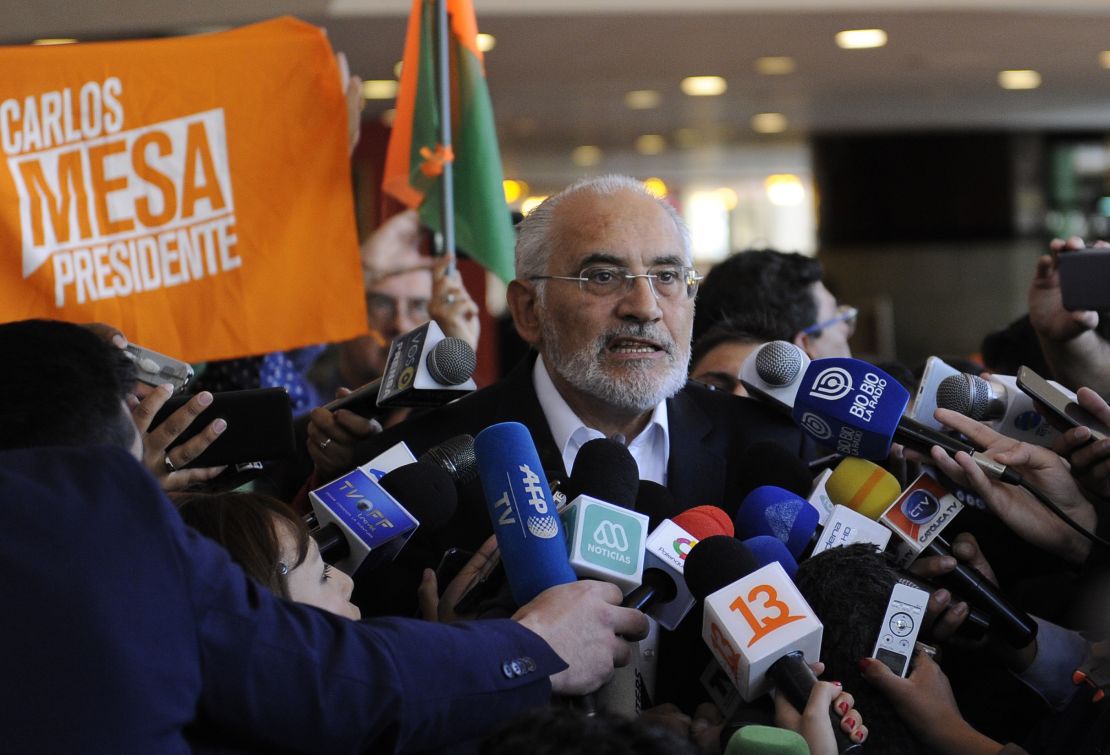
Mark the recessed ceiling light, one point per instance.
(704, 86)
(656, 186)
(769, 123)
(775, 65)
(397, 68)
(784, 189)
(1104, 58)
(54, 41)
(486, 42)
(379, 89)
(586, 155)
(642, 99)
(861, 39)
(728, 197)
(1019, 79)
(650, 144)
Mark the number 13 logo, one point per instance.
(776, 613)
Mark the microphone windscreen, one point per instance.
(705, 521)
(522, 511)
(768, 463)
(862, 486)
(716, 562)
(425, 490)
(656, 502)
(605, 470)
(770, 510)
(451, 361)
(456, 457)
(767, 548)
(756, 739)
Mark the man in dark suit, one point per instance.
(131, 633)
(604, 293)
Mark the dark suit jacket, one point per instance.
(709, 432)
(122, 627)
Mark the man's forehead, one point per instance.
(620, 228)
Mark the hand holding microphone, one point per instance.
(1089, 458)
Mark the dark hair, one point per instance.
(728, 331)
(566, 731)
(763, 283)
(1016, 345)
(63, 387)
(246, 525)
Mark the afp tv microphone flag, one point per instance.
(192, 191)
(483, 227)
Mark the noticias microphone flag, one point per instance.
(192, 191)
(414, 160)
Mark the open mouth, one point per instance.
(626, 345)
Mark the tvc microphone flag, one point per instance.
(413, 165)
(193, 191)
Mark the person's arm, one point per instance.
(1072, 346)
(1089, 458)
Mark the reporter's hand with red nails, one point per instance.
(813, 723)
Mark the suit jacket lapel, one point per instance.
(696, 469)
(518, 403)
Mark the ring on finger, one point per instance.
(169, 464)
(324, 444)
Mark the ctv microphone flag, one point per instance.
(419, 160)
(148, 185)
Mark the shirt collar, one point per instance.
(569, 432)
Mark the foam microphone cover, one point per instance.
(656, 502)
(605, 470)
(716, 562)
(756, 739)
(768, 463)
(425, 490)
(767, 548)
(770, 510)
(705, 521)
(522, 511)
(862, 486)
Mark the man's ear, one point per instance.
(801, 340)
(524, 307)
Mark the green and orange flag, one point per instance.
(414, 161)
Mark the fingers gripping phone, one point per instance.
(1063, 412)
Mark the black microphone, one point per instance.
(456, 457)
(604, 469)
(768, 463)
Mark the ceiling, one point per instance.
(558, 78)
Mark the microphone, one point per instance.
(773, 373)
(361, 523)
(424, 368)
(605, 537)
(756, 739)
(768, 548)
(917, 516)
(455, 456)
(529, 533)
(663, 594)
(999, 402)
(757, 625)
(859, 408)
(770, 510)
(656, 501)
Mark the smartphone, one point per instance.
(1085, 279)
(1062, 411)
(156, 369)
(452, 562)
(259, 426)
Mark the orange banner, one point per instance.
(194, 192)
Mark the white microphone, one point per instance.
(605, 541)
(774, 372)
(1000, 403)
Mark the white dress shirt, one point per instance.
(651, 448)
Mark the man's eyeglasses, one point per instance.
(845, 313)
(381, 308)
(665, 281)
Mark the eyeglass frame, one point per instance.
(420, 304)
(692, 278)
(844, 313)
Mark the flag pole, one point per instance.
(445, 240)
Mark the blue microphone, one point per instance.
(850, 405)
(771, 510)
(522, 510)
(767, 548)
